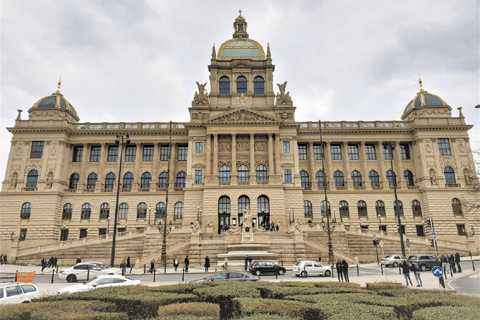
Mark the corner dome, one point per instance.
(55, 101)
(422, 99)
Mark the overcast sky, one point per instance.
(139, 60)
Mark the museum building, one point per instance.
(241, 151)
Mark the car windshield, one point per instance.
(298, 263)
(88, 283)
(102, 266)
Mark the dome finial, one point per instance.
(240, 12)
(420, 82)
(269, 55)
(59, 84)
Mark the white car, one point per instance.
(18, 293)
(83, 270)
(393, 260)
(101, 282)
(311, 268)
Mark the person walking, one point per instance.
(246, 263)
(249, 261)
(345, 270)
(339, 270)
(272, 226)
(1, 259)
(406, 272)
(416, 271)
(444, 262)
(79, 260)
(152, 265)
(123, 266)
(51, 262)
(451, 260)
(457, 261)
(207, 263)
(187, 262)
(225, 264)
(43, 263)
(55, 261)
(5, 259)
(128, 262)
(175, 264)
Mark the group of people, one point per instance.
(449, 262)
(47, 263)
(409, 266)
(186, 261)
(3, 259)
(124, 265)
(342, 271)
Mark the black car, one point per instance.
(228, 276)
(424, 261)
(262, 267)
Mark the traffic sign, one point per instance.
(407, 241)
(437, 272)
(374, 237)
(381, 243)
(434, 234)
(408, 245)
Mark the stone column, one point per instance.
(215, 154)
(346, 161)
(363, 159)
(156, 159)
(208, 155)
(311, 161)
(83, 168)
(234, 155)
(296, 163)
(136, 171)
(190, 157)
(401, 183)
(253, 176)
(278, 151)
(271, 170)
(383, 173)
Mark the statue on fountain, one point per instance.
(247, 219)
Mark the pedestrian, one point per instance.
(457, 261)
(406, 272)
(345, 270)
(416, 271)
(55, 262)
(444, 262)
(1, 259)
(253, 225)
(250, 261)
(175, 264)
(277, 228)
(207, 263)
(339, 270)
(272, 226)
(51, 261)
(5, 259)
(246, 263)
(451, 260)
(128, 262)
(441, 280)
(43, 263)
(79, 260)
(123, 266)
(225, 264)
(187, 262)
(152, 265)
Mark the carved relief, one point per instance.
(287, 157)
(461, 146)
(199, 156)
(285, 115)
(19, 151)
(243, 146)
(428, 148)
(276, 179)
(243, 157)
(211, 180)
(199, 165)
(287, 164)
(243, 163)
(260, 146)
(225, 147)
(49, 181)
(224, 157)
(200, 115)
(448, 163)
(433, 177)
(242, 116)
(53, 151)
(31, 167)
(224, 163)
(13, 180)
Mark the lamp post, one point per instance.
(163, 229)
(108, 224)
(164, 243)
(389, 146)
(122, 142)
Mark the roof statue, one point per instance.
(201, 96)
(242, 99)
(282, 97)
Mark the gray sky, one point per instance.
(139, 60)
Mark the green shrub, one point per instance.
(280, 292)
(177, 288)
(385, 286)
(351, 285)
(447, 312)
(196, 309)
(259, 316)
(247, 307)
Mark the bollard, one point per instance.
(53, 272)
(88, 274)
(144, 268)
(381, 269)
(165, 268)
(473, 264)
(399, 270)
(131, 269)
(16, 275)
(154, 275)
(183, 275)
(358, 272)
(276, 274)
(57, 269)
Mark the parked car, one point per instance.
(393, 260)
(262, 267)
(101, 282)
(17, 293)
(83, 270)
(424, 261)
(229, 276)
(311, 268)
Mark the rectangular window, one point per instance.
(443, 147)
(287, 176)
(336, 152)
(404, 151)
(64, 235)
(286, 146)
(317, 152)
(370, 152)
(352, 152)
(420, 231)
(387, 155)
(95, 154)
(164, 153)
(182, 153)
(461, 230)
(83, 233)
(112, 154)
(23, 235)
(148, 153)
(102, 232)
(199, 147)
(198, 176)
(302, 152)
(37, 149)
(77, 153)
(130, 153)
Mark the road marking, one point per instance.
(475, 276)
(448, 283)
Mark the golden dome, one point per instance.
(241, 49)
(423, 98)
(55, 101)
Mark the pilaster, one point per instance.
(271, 170)
(215, 154)
(208, 155)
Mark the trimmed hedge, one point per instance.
(447, 312)
(385, 286)
(275, 292)
(247, 307)
(196, 309)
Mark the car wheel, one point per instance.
(297, 275)
(71, 278)
(328, 273)
(257, 272)
(304, 274)
(280, 272)
(395, 264)
(423, 267)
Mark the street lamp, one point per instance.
(389, 146)
(164, 231)
(164, 243)
(122, 141)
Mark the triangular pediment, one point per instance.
(244, 116)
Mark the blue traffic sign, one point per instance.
(434, 234)
(374, 237)
(407, 241)
(437, 272)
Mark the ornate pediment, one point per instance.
(244, 116)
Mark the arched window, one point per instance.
(181, 180)
(343, 208)
(162, 180)
(261, 173)
(224, 205)
(380, 208)
(362, 208)
(142, 210)
(224, 173)
(373, 176)
(160, 211)
(241, 84)
(307, 209)
(74, 178)
(123, 211)
(258, 85)
(320, 179)
(263, 204)
(26, 210)
(243, 202)
(357, 178)
(338, 177)
(145, 180)
(92, 180)
(127, 180)
(109, 180)
(224, 85)
(416, 208)
(400, 208)
(67, 212)
(391, 178)
(325, 208)
(32, 179)
(408, 176)
(178, 211)
(243, 173)
(86, 211)
(449, 175)
(104, 211)
(457, 207)
(304, 177)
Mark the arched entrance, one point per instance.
(263, 210)
(223, 212)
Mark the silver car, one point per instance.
(311, 268)
(18, 293)
(393, 260)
